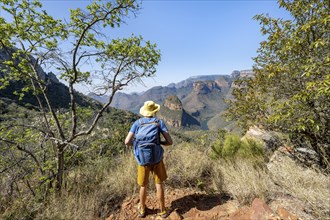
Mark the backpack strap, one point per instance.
(155, 121)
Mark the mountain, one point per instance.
(57, 92)
(202, 99)
(173, 113)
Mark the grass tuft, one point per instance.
(242, 180)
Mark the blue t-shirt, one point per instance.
(136, 124)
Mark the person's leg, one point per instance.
(143, 197)
(159, 173)
(142, 179)
(160, 196)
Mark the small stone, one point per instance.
(261, 210)
(243, 213)
(285, 214)
(175, 216)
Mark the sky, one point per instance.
(195, 37)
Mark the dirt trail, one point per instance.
(190, 204)
(183, 203)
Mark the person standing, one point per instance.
(154, 164)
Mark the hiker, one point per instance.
(144, 136)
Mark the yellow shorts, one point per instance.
(157, 170)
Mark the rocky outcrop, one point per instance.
(235, 74)
(277, 149)
(260, 210)
(203, 98)
(172, 122)
(223, 83)
(171, 111)
(204, 87)
(173, 103)
(174, 115)
(7, 55)
(268, 138)
(246, 73)
(52, 77)
(57, 92)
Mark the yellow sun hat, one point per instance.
(149, 108)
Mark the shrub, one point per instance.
(231, 146)
(96, 189)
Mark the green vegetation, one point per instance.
(230, 146)
(98, 183)
(174, 99)
(27, 167)
(31, 38)
(290, 90)
(64, 158)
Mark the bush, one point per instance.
(231, 146)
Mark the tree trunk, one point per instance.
(60, 168)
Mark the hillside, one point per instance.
(57, 92)
(173, 113)
(280, 187)
(202, 98)
(203, 183)
(64, 155)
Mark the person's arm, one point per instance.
(129, 139)
(168, 139)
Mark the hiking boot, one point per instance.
(164, 214)
(141, 212)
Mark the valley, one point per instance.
(200, 99)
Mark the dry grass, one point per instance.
(242, 180)
(245, 179)
(97, 188)
(307, 185)
(187, 166)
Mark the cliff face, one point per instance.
(174, 115)
(57, 92)
(173, 103)
(201, 99)
(171, 111)
(172, 122)
(205, 87)
(7, 55)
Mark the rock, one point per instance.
(52, 77)
(7, 55)
(284, 214)
(260, 210)
(235, 74)
(172, 112)
(205, 87)
(270, 142)
(295, 206)
(246, 73)
(307, 157)
(173, 103)
(243, 213)
(175, 216)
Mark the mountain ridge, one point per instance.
(203, 97)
